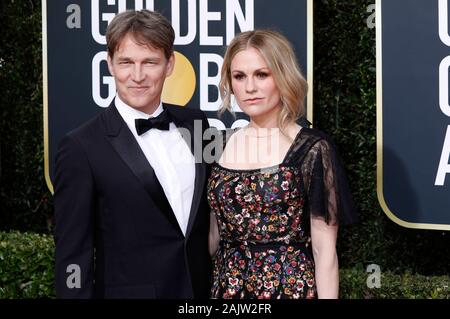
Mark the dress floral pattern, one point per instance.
(263, 220)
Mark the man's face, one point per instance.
(139, 72)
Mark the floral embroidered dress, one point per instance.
(263, 218)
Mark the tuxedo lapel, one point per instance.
(195, 145)
(200, 173)
(126, 146)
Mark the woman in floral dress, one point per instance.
(278, 192)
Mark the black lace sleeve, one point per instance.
(327, 189)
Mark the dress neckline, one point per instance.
(265, 168)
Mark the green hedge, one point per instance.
(26, 271)
(26, 265)
(25, 201)
(353, 284)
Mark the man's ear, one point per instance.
(110, 65)
(170, 65)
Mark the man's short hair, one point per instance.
(147, 28)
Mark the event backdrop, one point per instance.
(77, 84)
(413, 129)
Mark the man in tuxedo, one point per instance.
(131, 213)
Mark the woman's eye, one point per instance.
(238, 77)
(262, 75)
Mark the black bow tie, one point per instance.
(160, 122)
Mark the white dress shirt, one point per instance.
(171, 159)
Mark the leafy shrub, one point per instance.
(25, 201)
(26, 265)
(353, 284)
(26, 271)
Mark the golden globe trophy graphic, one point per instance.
(180, 85)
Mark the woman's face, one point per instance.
(254, 86)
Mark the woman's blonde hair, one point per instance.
(281, 60)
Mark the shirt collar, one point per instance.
(129, 114)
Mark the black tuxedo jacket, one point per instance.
(116, 235)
